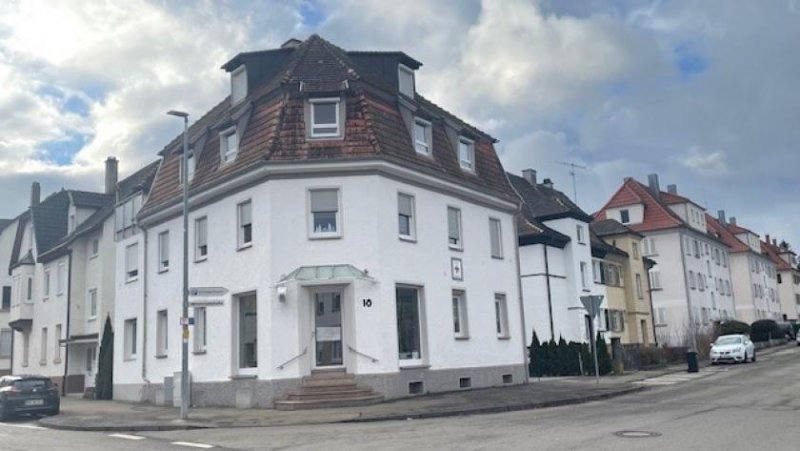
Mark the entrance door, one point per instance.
(90, 368)
(328, 328)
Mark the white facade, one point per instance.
(755, 287)
(280, 342)
(6, 333)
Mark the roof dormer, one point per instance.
(238, 84)
(405, 80)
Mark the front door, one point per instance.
(328, 328)
(90, 368)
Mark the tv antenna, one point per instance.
(572, 167)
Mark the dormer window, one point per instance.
(325, 121)
(422, 136)
(466, 153)
(228, 145)
(405, 80)
(238, 84)
(190, 166)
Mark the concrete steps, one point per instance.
(328, 388)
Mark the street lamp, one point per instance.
(185, 315)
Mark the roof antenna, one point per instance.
(572, 167)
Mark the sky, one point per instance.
(704, 93)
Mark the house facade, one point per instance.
(555, 261)
(7, 232)
(788, 277)
(691, 278)
(354, 225)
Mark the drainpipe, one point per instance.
(66, 341)
(693, 342)
(144, 311)
(13, 334)
(650, 295)
(549, 293)
(521, 301)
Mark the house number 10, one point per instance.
(367, 302)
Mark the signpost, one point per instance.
(592, 305)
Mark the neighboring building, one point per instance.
(753, 275)
(632, 295)
(7, 232)
(357, 227)
(555, 256)
(608, 274)
(788, 277)
(691, 278)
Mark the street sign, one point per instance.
(207, 296)
(592, 304)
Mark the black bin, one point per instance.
(691, 361)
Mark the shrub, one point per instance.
(734, 327)
(104, 380)
(535, 363)
(763, 330)
(603, 357)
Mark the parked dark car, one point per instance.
(28, 394)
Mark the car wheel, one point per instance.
(754, 356)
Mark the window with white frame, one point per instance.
(228, 145)
(238, 84)
(405, 216)
(91, 309)
(649, 247)
(422, 136)
(29, 291)
(60, 271)
(696, 246)
(466, 153)
(46, 282)
(163, 251)
(501, 315)
(200, 239)
(5, 343)
(200, 329)
(639, 290)
(162, 333)
(132, 262)
(91, 358)
(655, 279)
(405, 80)
(584, 276)
(460, 314)
(496, 237)
(579, 234)
(191, 164)
(324, 210)
(245, 220)
(130, 339)
(625, 216)
(95, 247)
(57, 344)
(691, 280)
(701, 282)
(454, 228)
(43, 347)
(325, 120)
(635, 250)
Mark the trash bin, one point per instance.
(691, 361)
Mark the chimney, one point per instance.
(111, 175)
(774, 241)
(721, 216)
(548, 183)
(36, 193)
(627, 179)
(652, 180)
(732, 220)
(766, 238)
(672, 189)
(530, 176)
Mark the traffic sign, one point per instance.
(592, 304)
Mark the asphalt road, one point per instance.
(735, 407)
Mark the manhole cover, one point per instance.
(637, 434)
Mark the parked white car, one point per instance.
(733, 348)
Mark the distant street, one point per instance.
(738, 407)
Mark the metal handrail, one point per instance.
(305, 351)
(352, 349)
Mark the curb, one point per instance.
(121, 428)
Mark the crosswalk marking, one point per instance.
(127, 436)
(193, 445)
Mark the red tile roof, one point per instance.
(724, 235)
(773, 253)
(657, 215)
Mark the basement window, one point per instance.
(465, 382)
(416, 388)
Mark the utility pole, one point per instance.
(572, 167)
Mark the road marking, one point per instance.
(24, 426)
(672, 379)
(127, 437)
(193, 445)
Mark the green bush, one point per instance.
(559, 359)
(535, 363)
(734, 327)
(104, 380)
(603, 357)
(763, 330)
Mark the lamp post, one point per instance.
(185, 315)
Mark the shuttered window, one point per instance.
(132, 262)
(495, 236)
(454, 228)
(201, 239)
(405, 216)
(324, 212)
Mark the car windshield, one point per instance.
(30, 384)
(728, 341)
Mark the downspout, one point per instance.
(549, 293)
(13, 334)
(144, 311)
(521, 302)
(69, 308)
(693, 342)
(650, 295)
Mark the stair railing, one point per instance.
(357, 352)
(304, 352)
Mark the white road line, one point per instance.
(24, 426)
(193, 445)
(127, 437)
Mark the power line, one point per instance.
(572, 167)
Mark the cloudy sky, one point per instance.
(705, 93)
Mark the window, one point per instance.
(57, 345)
(599, 272)
(655, 279)
(245, 214)
(624, 216)
(496, 237)
(5, 343)
(579, 234)
(238, 84)
(95, 247)
(501, 315)
(91, 358)
(405, 80)
(701, 282)
(454, 228)
(43, 347)
(324, 212)
(584, 281)
(639, 291)
(717, 256)
(408, 325)
(60, 279)
(422, 136)
(696, 248)
(91, 309)
(163, 251)
(29, 291)
(26, 348)
(200, 239)
(466, 154)
(324, 117)
(649, 247)
(687, 244)
(6, 304)
(132, 262)
(459, 314)
(724, 259)
(162, 330)
(199, 329)
(228, 145)
(247, 331)
(191, 165)
(130, 339)
(635, 250)
(405, 216)
(708, 251)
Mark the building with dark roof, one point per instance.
(788, 276)
(335, 204)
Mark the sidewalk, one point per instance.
(87, 415)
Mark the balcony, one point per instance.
(21, 316)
